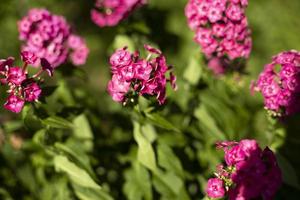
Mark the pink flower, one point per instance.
(142, 70)
(134, 76)
(49, 36)
(28, 57)
(249, 173)
(79, 56)
(22, 87)
(234, 12)
(112, 12)
(5, 64)
(215, 14)
(118, 88)
(215, 188)
(16, 75)
(221, 29)
(281, 88)
(14, 104)
(32, 92)
(120, 58)
(216, 66)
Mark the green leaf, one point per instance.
(149, 132)
(208, 122)
(146, 155)
(82, 128)
(168, 160)
(138, 183)
(84, 193)
(77, 155)
(31, 121)
(4, 195)
(57, 122)
(161, 122)
(167, 183)
(122, 41)
(76, 174)
(193, 71)
(12, 126)
(56, 189)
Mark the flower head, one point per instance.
(221, 29)
(28, 57)
(32, 92)
(215, 188)
(249, 173)
(279, 84)
(134, 76)
(16, 75)
(112, 12)
(14, 103)
(49, 36)
(22, 87)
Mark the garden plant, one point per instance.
(149, 99)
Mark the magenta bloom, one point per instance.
(221, 29)
(49, 36)
(249, 173)
(22, 87)
(111, 12)
(134, 76)
(215, 188)
(121, 58)
(28, 57)
(32, 92)
(16, 75)
(281, 89)
(14, 104)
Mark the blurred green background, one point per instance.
(203, 107)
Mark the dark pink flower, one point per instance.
(49, 36)
(14, 103)
(5, 64)
(281, 89)
(22, 87)
(32, 92)
(16, 75)
(249, 173)
(215, 188)
(139, 76)
(118, 88)
(112, 12)
(221, 29)
(142, 70)
(28, 57)
(120, 58)
(46, 66)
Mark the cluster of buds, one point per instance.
(111, 12)
(279, 84)
(49, 36)
(249, 172)
(221, 29)
(22, 87)
(134, 76)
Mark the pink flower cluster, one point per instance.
(111, 12)
(249, 172)
(221, 29)
(133, 76)
(279, 84)
(49, 36)
(22, 87)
